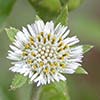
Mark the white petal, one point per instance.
(30, 74)
(71, 41)
(21, 37)
(61, 77)
(38, 78)
(35, 28)
(68, 71)
(57, 28)
(51, 78)
(66, 34)
(61, 31)
(40, 25)
(51, 26)
(56, 77)
(38, 84)
(73, 65)
(48, 78)
(13, 48)
(26, 73)
(18, 44)
(34, 76)
(13, 58)
(31, 30)
(46, 28)
(25, 31)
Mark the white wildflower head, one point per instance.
(44, 52)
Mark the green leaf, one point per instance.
(54, 91)
(18, 81)
(63, 16)
(81, 70)
(46, 9)
(72, 4)
(86, 48)
(11, 32)
(5, 8)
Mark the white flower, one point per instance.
(44, 52)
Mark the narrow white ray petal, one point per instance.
(56, 77)
(31, 30)
(48, 78)
(18, 44)
(70, 39)
(73, 65)
(38, 78)
(34, 76)
(38, 84)
(68, 71)
(13, 48)
(51, 26)
(78, 55)
(74, 42)
(57, 28)
(46, 28)
(27, 34)
(77, 51)
(34, 27)
(40, 25)
(22, 71)
(11, 68)
(12, 58)
(18, 62)
(75, 60)
(21, 37)
(66, 34)
(61, 77)
(61, 31)
(18, 52)
(30, 74)
(26, 73)
(51, 78)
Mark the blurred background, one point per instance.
(83, 21)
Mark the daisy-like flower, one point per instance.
(44, 52)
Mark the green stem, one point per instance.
(35, 91)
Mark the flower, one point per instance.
(44, 52)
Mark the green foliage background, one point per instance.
(84, 21)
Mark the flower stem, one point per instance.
(35, 91)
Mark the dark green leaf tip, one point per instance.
(18, 81)
(81, 70)
(11, 32)
(87, 48)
